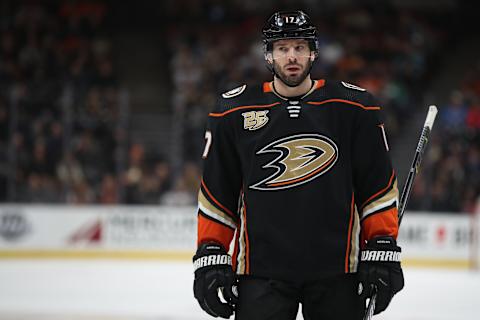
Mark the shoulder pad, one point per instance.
(234, 92)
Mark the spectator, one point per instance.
(180, 195)
(108, 190)
(70, 171)
(473, 116)
(453, 115)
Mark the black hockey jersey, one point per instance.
(300, 182)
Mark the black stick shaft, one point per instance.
(417, 159)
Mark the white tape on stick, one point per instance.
(432, 113)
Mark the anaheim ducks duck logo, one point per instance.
(301, 159)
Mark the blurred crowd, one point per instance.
(59, 103)
(450, 180)
(64, 120)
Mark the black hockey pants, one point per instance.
(328, 299)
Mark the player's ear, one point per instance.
(313, 56)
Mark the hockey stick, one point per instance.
(407, 188)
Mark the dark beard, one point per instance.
(291, 81)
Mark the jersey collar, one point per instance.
(268, 87)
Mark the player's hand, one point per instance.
(380, 267)
(214, 273)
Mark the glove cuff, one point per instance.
(381, 249)
(210, 255)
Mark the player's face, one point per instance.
(291, 60)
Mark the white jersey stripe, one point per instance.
(216, 216)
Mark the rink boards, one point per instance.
(169, 233)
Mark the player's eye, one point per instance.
(300, 48)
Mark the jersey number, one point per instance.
(208, 143)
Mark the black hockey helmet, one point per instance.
(289, 25)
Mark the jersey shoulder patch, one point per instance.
(234, 92)
(352, 86)
(240, 98)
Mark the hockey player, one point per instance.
(296, 172)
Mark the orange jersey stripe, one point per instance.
(267, 87)
(380, 224)
(212, 114)
(209, 230)
(381, 191)
(320, 83)
(349, 239)
(317, 103)
(217, 202)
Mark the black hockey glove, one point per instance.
(214, 273)
(380, 267)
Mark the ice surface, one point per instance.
(154, 290)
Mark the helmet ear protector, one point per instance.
(289, 25)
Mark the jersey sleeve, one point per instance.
(221, 184)
(375, 182)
